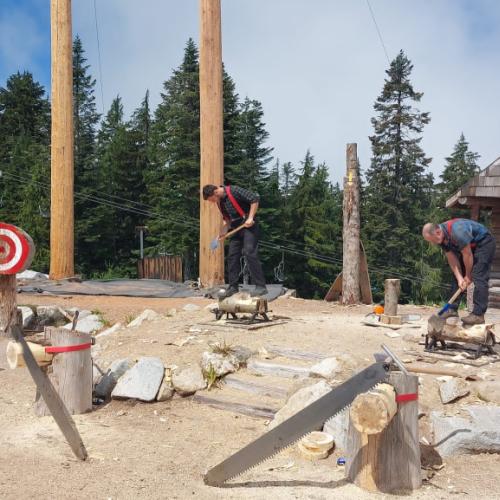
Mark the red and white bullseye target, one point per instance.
(16, 249)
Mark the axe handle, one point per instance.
(448, 304)
(233, 231)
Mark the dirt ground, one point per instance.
(161, 450)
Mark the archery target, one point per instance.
(16, 249)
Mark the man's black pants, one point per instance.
(483, 258)
(245, 242)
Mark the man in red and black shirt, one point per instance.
(238, 206)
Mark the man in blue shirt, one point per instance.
(469, 248)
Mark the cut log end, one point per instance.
(15, 358)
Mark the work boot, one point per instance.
(473, 319)
(230, 290)
(258, 291)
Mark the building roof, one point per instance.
(483, 188)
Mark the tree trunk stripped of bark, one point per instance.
(71, 372)
(392, 290)
(388, 461)
(351, 250)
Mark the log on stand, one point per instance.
(386, 461)
(70, 372)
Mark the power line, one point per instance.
(378, 31)
(99, 55)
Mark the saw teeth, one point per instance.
(205, 479)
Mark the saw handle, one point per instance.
(450, 302)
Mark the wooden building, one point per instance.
(482, 192)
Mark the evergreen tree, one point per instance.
(24, 160)
(85, 119)
(398, 190)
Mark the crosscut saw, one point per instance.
(300, 424)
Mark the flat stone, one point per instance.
(220, 363)
(29, 317)
(488, 391)
(338, 427)
(452, 389)
(298, 401)
(191, 308)
(478, 434)
(108, 382)
(327, 368)
(188, 380)
(88, 324)
(142, 381)
(146, 315)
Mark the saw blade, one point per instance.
(297, 426)
(52, 399)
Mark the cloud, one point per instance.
(317, 66)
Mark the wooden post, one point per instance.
(8, 303)
(388, 461)
(392, 288)
(61, 208)
(351, 252)
(211, 138)
(71, 372)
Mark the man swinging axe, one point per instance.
(469, 248)
(238, 206)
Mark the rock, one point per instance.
(188, 380)
(242, 354)
(108, 331)
(50, 316)
(167, 390)
(142, 381)
(191, 308)
(32, 275)
(456, 435)
(452, 389)
(146, 315)
(89, 324)
(338, 427)
(108, 381)
(220, 363)
(488, 391)
(302, 398)
(327, 368)
(29, 317)
(172, 312)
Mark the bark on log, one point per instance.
(476, 334)
(388, 462)
(71, 372)
(392, 289)
(8, 302)
(372, 411)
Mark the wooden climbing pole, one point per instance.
(211, 138)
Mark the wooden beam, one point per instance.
(351, 252)
(62, 206)
(391, 298)
(211, 138)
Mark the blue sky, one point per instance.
(317, 66)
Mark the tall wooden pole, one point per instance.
(351, 252)
(211, 138)
(62, 210)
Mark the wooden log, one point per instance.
(351, 228)
(244, 409)
(254, 388)
(278, 370)
(289, 352)
(476, 334)
(15, 357)
(243, 303)
(8, 302)
(391, 298)
(372, 411)
(71, 372)
(388, 462)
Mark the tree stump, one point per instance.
(388, 461)
(392, 289)
(70, 372)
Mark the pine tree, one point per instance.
(398, 190)
(85, 119)
(24, 160)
